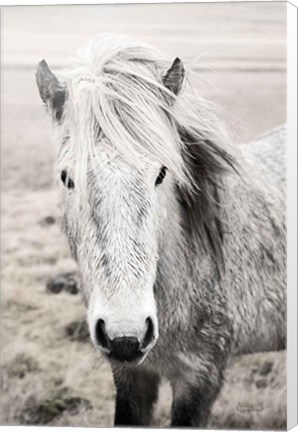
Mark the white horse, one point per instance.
(179, 236)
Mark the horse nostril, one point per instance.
(100, 334)
(149, 333)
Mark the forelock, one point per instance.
(116, 96)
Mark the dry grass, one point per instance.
(50, 373)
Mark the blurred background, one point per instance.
(50, 372)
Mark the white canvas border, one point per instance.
(291, 215)
(110, 2)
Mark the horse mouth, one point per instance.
(126, 360)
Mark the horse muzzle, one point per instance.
(125, 348)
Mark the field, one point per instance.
(50, 372)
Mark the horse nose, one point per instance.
(124, 348)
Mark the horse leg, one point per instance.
(192, 403)
(136, 392)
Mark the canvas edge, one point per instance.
(291, 216)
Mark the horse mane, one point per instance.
(116, 94)
(201, 206)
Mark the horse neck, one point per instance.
(186, 255)
(180, 253)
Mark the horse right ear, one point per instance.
(52, 91)
(174, 77)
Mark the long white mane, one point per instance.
(116, 97)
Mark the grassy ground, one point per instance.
(50, 372)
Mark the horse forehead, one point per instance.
(109, 161)
(115, 170)
(116, 179)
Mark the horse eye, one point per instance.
(67, 181)
(161, 176)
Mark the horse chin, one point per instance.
(126, 363)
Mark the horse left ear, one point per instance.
(173, 79)
(52, 91)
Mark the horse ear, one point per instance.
(52, 91)
(173, 79)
